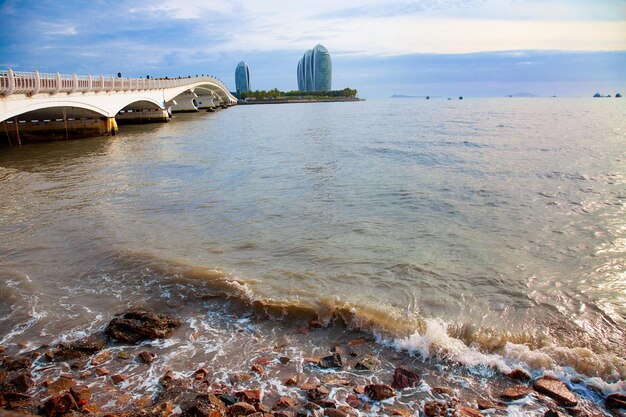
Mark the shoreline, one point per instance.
(301, 100)
(122, 370)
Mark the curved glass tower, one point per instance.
(242, 78)
(315, 70)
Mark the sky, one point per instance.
(423, 47)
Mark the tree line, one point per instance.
(276, 94)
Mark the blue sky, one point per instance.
(424, 47)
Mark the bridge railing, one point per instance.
(31, 83)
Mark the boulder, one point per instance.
(467, 412)
(22, 382)
(378, 392)
(241, 409)
(368, 363)
(404, 378)
(332, 361)
(250, 396)
(557, 390)
(317, 393)
(16, 363)
(59, 405)
(519, 375)
(79, 348)
(616, 401)
(435, 408)
(516, 392)
(147, 357)
(284, 402)
(137, 325)
(333, 412)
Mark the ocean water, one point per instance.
(488, 233)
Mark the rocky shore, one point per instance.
(100, 375)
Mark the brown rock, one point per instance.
(359, 389)
(378, 392)
(292, 381)
(333, 412)
(519, 375)
(90, 408)
(404, 378)
(486, 404)
(200, 373)
(284, 413)
(467, 412)
(81, 394)
(198, 410)
(516, 392)
(136, 325)
(117, 378)
(262, 408)
(58, 405)
(123, 355)
(16, 363)
(443, 390)
(241, 409)
(250, 396)
(102, 371)
(22, 382)
(283, 402)
(239, 378)
(553, 413)
(315, 361)
(557, 390)
(354, 401)
(85, 374)
(332, 361)
(101, 358)
(61, 384)
(435, 408)
(368, 363)
(147, 357)
(616, 400)
(326, 403)
(258, 369)
(284, 360)
(79, 348)
(317, 393)
(315, 324)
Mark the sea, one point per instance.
(463, 238)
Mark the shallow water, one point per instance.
(486, 231)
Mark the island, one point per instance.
(276, 96)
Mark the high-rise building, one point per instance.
(315, 70)
(242, 78)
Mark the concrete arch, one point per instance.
(139, 99)
(215, 88)
(51, 104)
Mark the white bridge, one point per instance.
(36, 105)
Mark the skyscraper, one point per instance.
(315, 70)
(242, 78)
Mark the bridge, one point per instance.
(37, 106)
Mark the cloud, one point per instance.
(58, 29)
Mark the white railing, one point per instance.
(31, 83)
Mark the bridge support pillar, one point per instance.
(142, 116)
(111, 126)
(206, 102)
(185, 102)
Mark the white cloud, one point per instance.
(59, 29)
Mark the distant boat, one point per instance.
(618, 95)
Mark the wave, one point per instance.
(466, 344)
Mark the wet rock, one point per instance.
(102, 371)
(241, 409)
(80, 348)
(326, 403)
(519, 375)
(250, 396)
(292, 381)
(467, 412)
(198, 410)
(332, 361)
(333, 412)
(557, 390)
(123, 355)
(314, 361)
(284, 402)
(239, 378)
(379, 392)
(61, 384)
(16, 363)
(262, 408)
(58, 405)
(147, 357)
(354, 401)
(284, 360)
(553, 413)
(201, 373)
(443, 390)
(516, 392)
(80, 394)
(487, 405)
(227, 399)
(315, 324)
(22, 382)
(359, 389)
(317, 393)
(368, 363)
(616, 401)
(284, 413)
(118, 378)
(435, 408)
(136, 325)
(404, 378)
(101, 358)
(258, 369)
(85, 374)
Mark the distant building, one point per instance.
(315, 70)
(242, 78)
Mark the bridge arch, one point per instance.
(139, 101)
(32, 107)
